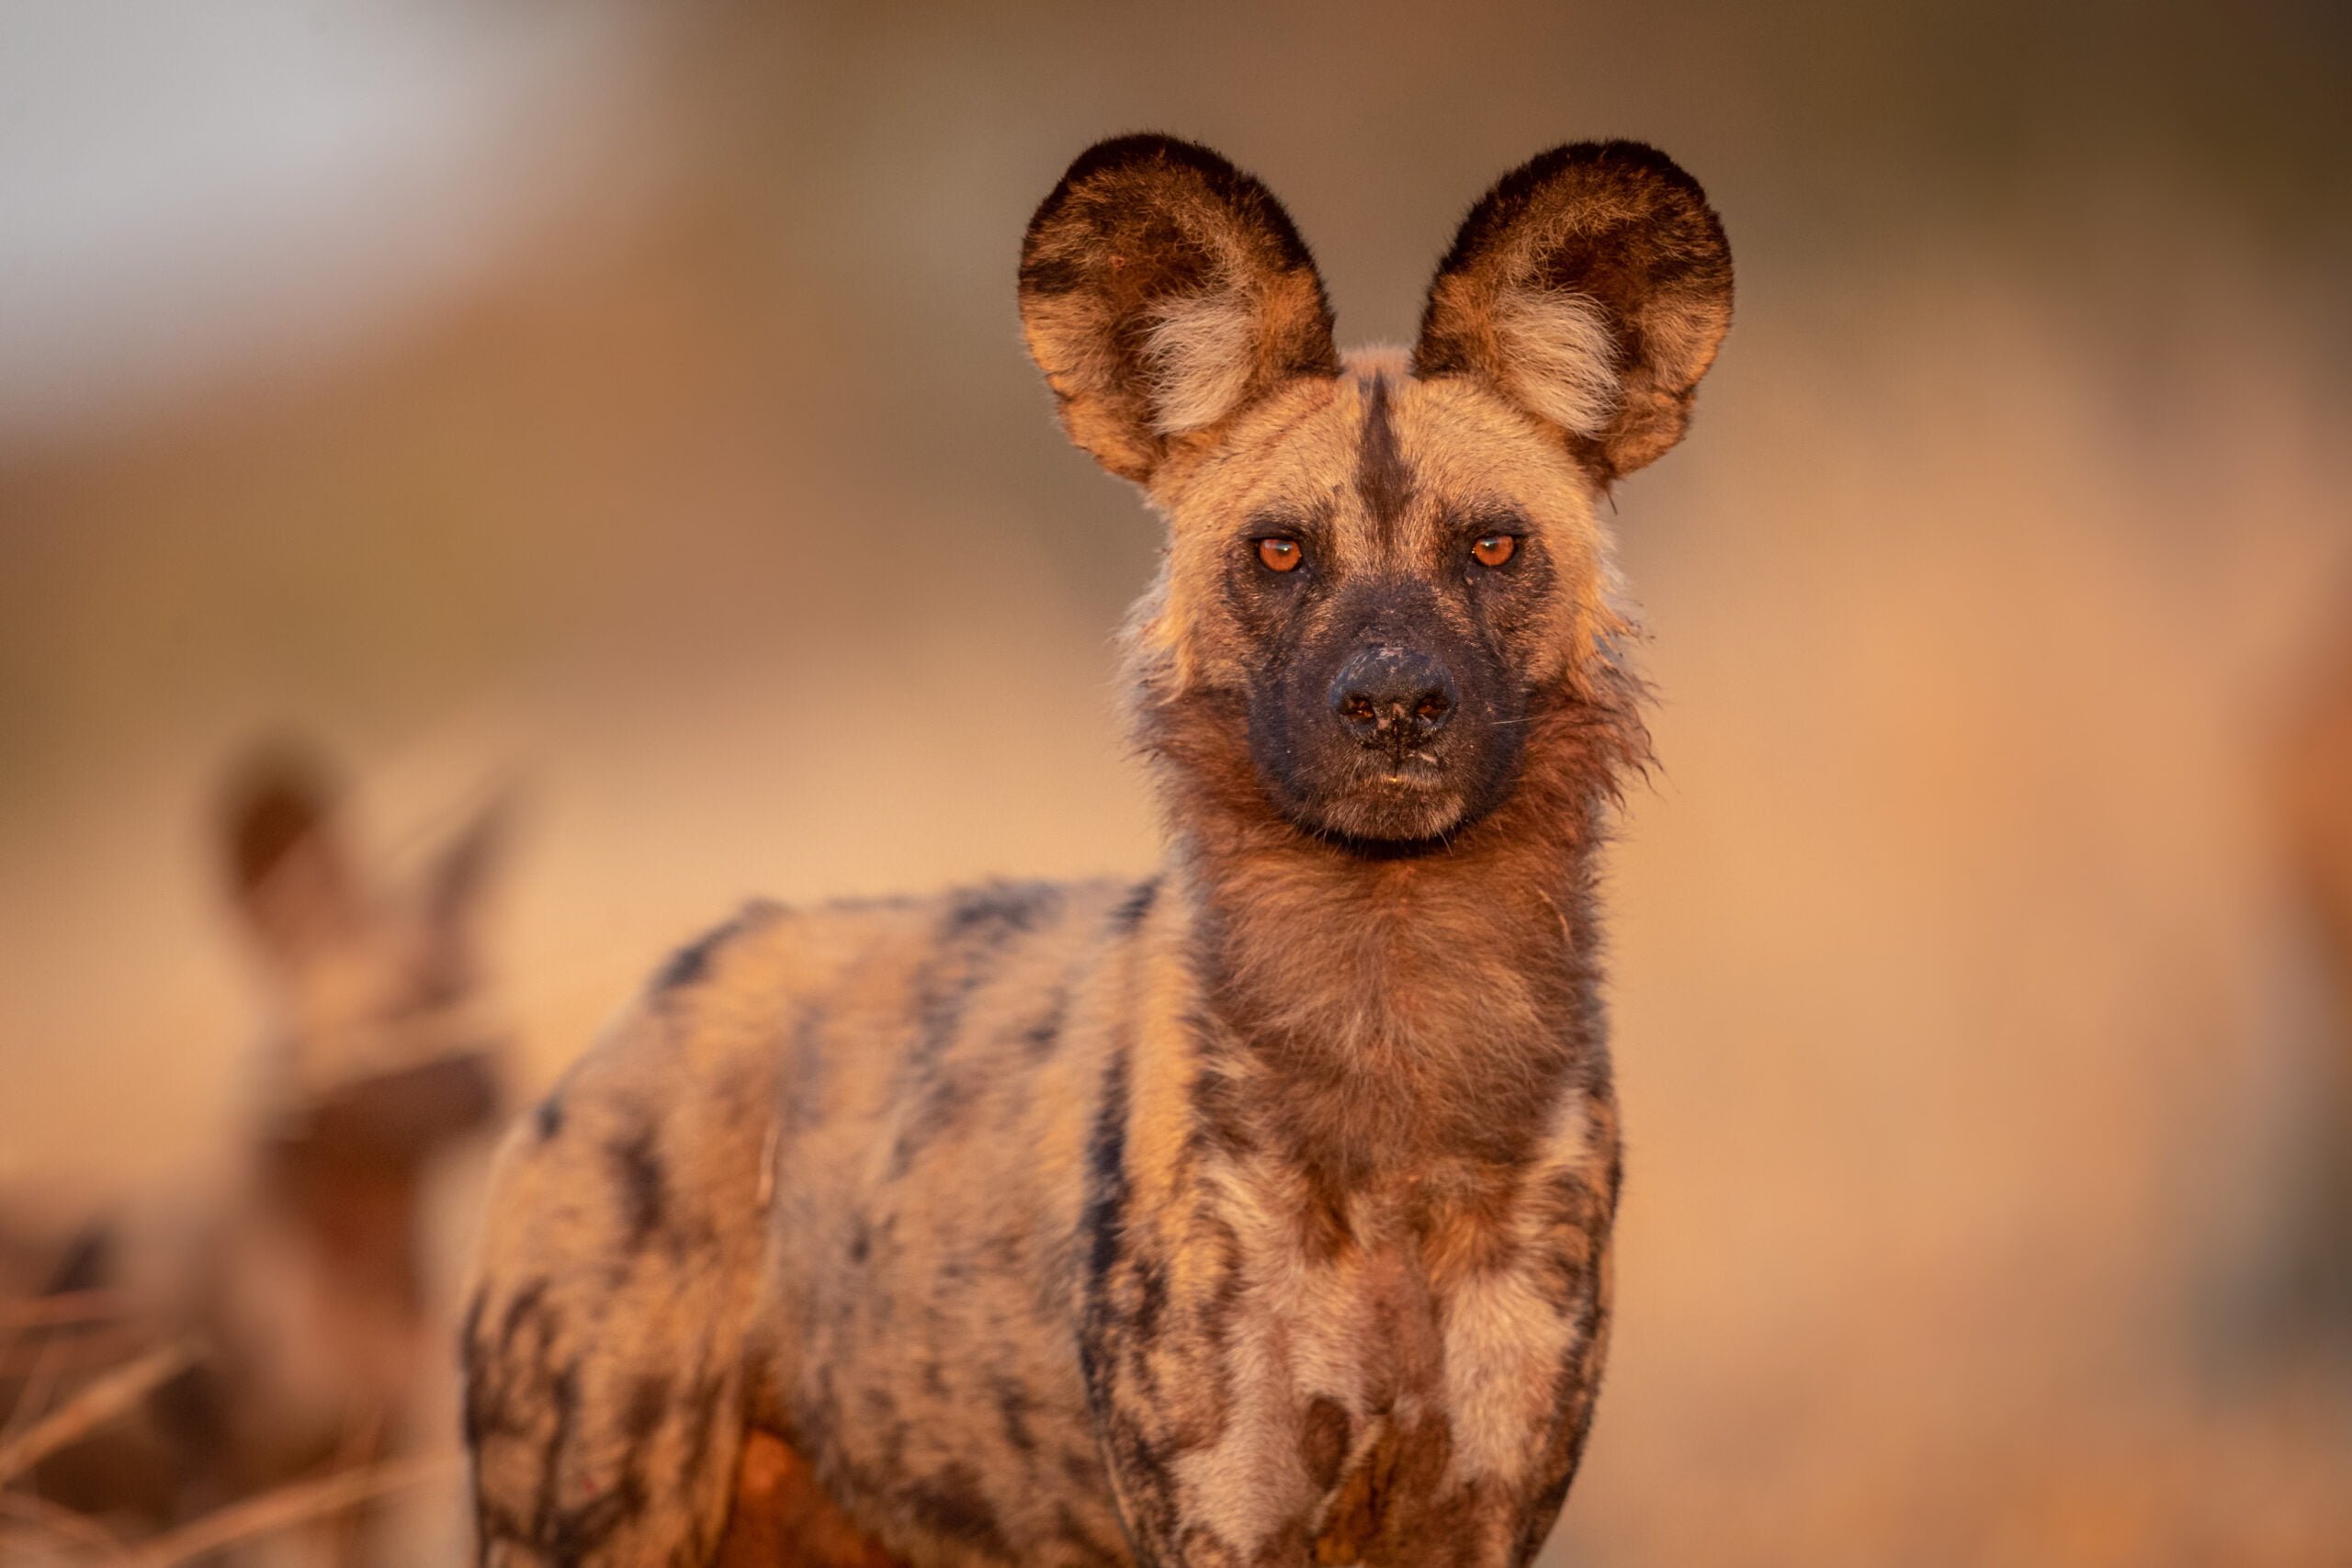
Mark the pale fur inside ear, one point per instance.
(1559, 358)
(1201, 348)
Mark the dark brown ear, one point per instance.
(457, 885)
(460, 874)
(1591, 288)
(286, 866)
(1163, 290)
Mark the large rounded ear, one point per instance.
(456, 886)
(1163, 291)
(283, 854)
(1591, 288)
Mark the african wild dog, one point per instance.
(305, 1279)
(1256, 1213)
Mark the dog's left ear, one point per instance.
(1590, 287)
(1162, 291)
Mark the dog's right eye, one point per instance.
(1495, 549)
(1280, 554)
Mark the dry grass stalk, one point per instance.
(65, 1309)
(69, 1352)
(97, 1404)
(61, 1528)
(40, 1374)
(286, 1507)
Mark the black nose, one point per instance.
(1394, 696)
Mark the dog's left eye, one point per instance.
(1494, 550)
(1280, 554)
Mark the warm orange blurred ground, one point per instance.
(1975, 1038)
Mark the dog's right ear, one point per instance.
(1162, 291)
(283, 856)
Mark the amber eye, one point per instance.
(1494, 548)
(1281, 555)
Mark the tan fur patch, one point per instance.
(1560, 357)
(1202, 350)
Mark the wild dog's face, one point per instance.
(1380, 569)
(1384, 573)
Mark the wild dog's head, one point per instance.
(382, 1052)
(1387, 589)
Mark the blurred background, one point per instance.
(613, 418)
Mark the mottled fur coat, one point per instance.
(1255, 1212)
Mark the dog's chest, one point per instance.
(1356, 1369)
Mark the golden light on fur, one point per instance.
(1258, 1211)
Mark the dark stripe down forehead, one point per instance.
(1383, 481)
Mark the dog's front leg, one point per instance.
(1185, 1379)
(1204, 1456)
